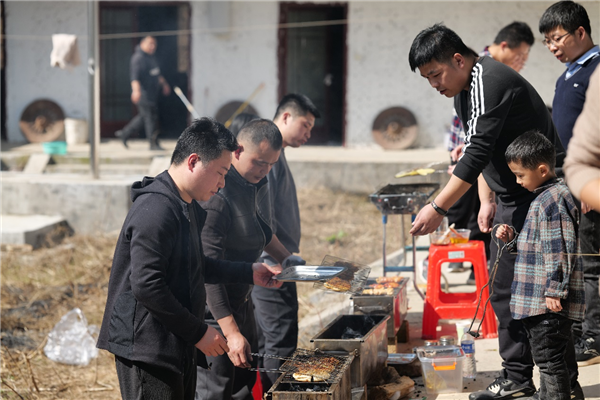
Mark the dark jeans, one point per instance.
(146, 118)
(513, 343)
(554, 354)
(140, 381)
(276, 312)
(464, 215)
(589, 238)
(224, 380)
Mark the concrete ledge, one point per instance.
(88, 205)
(33, 229)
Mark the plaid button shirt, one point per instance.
(547, 264)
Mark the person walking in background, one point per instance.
(497, 105)
(567, 34)
(511, 47)
(146, 82)
(276, 310)
(547, 293)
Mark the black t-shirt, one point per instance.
(144, 69)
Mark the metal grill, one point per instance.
(314, 358)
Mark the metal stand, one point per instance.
(405, 268)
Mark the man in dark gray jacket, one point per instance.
(238, 228)
(154, 317)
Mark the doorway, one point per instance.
(312, 61)
(172, 53)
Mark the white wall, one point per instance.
(29, 76)
(379, 39)
(230, 66)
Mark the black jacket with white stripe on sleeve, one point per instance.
(499, 106)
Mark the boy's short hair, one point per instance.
(514, 34)
(566, 14)
(530, 150)
(297, 105)
(437, 43)
(259, 130)
(205, 137)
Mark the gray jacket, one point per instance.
(237, 228)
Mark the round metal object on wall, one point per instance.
(226, 111)
(395, 128)
(42, 121)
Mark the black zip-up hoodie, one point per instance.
(156, 298)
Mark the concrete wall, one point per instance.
(229, 64)
(29, 76)
(379, 39)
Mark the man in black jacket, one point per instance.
(238, 228)
(496, 105)
(154, 317)
(146, 81)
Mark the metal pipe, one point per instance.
(384, 220)
(94, 87)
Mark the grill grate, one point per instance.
(314, 358)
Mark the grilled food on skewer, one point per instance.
(317, 369)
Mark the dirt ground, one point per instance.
(38, 287)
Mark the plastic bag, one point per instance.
(71, 341)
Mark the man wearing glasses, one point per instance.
(567, 34)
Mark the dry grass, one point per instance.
(38, 287)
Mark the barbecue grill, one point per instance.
(337, 387)
(402, 199)
(362, 334)
(395, 305)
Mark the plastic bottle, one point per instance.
(467, 342)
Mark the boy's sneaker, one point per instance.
(503, 388)
(587, 352)
(576, 394)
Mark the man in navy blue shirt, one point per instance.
(567, 34)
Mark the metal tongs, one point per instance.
(309, 273)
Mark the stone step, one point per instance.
(33, 230)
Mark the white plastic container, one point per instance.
(76, 131)
(442, 368)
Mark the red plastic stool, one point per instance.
(440, 305)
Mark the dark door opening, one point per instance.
(312, 61)
(3, 134)
(173, 54)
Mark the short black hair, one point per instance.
(296, 104)
(566, 14)
(205, 137)
(530, 150)
(259, 130)
(437, 43)
(514, 34)
(239, 121)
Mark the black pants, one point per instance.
(512, 338)
(146, 118)
(276, 312)
(554, 353)
(464, 215)
(140, 381)
(224, 380)
(589, 238)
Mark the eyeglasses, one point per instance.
(556, 41)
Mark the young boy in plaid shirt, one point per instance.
(547, 292)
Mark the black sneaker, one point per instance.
(503, 388)
(587, 352)
(121, 135)
(577, 393)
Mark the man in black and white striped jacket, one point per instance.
(496, 105)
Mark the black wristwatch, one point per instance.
(439, 210)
